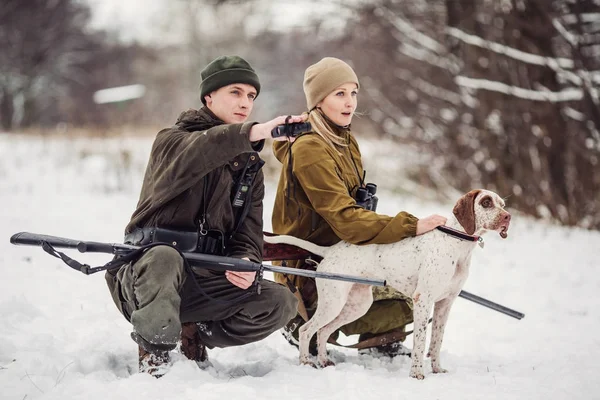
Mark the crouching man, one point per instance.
(202, 191)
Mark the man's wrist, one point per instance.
(256, 134)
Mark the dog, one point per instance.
(430, 268)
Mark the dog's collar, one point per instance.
(461, 235)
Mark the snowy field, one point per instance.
(61, 337)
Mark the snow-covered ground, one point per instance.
(62, 338)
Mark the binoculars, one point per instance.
(365, 197)
(291, 130)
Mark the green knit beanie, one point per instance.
(226, 70)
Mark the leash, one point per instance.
(461, 235)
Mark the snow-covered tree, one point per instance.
(503, 94)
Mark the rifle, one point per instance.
(273, 252)
(219, 263)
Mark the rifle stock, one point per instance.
(34, 239)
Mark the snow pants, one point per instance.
(157, 294)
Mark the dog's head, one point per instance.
(481, 210)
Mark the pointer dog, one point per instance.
(430, 268)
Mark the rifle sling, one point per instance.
(119, 261)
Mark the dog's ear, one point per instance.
(464, 211)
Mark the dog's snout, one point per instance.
(506, 217)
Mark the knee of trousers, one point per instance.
(288, 306)
(163, 262)
(383, 316)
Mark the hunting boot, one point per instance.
(387, 350)
(291, 332)
(191, 345)
(152, 359)
(391, 344)
(156, 364)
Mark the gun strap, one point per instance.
(301, 306)
(85, 268)
(118, 262)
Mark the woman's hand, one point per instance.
(263, 131)
(241, 279)
(427, 224)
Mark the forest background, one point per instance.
(499, 94)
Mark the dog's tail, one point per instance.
(294, 241)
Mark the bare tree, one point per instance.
(41, 45)
(501, 94)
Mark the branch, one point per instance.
(511, 52)
(568, 94)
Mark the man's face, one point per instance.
(233, 103)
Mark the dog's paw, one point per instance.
(438, 370)
(326, 363)
(417, 374)
(309, 362)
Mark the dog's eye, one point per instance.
(486, 203)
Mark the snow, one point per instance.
(427, 87)
(569, 37)
(62, 338)
(584, 17)
(507, 50)
(121, 93)
(410, 31)
(567, 94)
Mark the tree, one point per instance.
(502, 95)
(42, 45)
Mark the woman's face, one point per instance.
(339, 105)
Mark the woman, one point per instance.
(315, 200)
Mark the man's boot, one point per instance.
(153, 359)
(156, 364)
(391, 344)
(191, 345)
(387, 350)
(291, 332)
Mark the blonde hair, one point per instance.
(320, 126)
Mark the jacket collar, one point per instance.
(198, 120)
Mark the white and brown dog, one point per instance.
(430, 268)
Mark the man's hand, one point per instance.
(263, 131)
(430, 223)
(241, 279)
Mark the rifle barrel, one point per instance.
(490, 304)
(326, 275)
(224, 263)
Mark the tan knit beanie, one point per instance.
(322, 78)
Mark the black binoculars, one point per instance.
(365, 197)
(291, 130)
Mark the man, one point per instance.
(203, 188)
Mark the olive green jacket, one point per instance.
(190, 174)
(315, 201)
